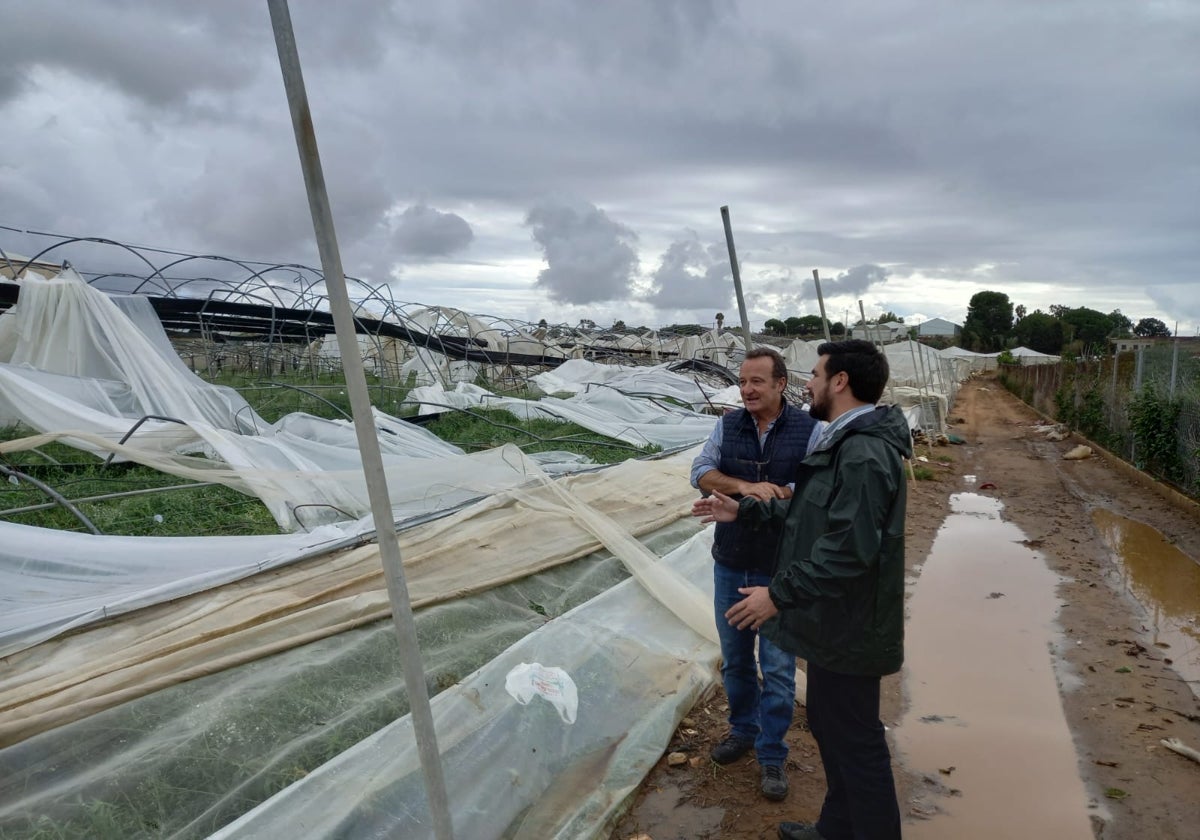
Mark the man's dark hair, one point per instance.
(862, 361)
(778, 365)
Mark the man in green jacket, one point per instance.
(837, 596)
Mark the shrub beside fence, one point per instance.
(1143, 406)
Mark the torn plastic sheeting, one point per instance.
(55, 581)
(498, 540)
(520, 770)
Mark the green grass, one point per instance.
(196, 510)
(489, 428)
(200, 510)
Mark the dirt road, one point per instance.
(1124, 694)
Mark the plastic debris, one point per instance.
(1078, 453)
(554, 685)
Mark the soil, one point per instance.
(1126, 696)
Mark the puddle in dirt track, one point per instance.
(670, 816)
(985, 726)
(1165, 581)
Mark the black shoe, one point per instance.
(773, 782)
(731, 749)
(798, 831)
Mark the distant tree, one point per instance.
(1088, 326)
(684, 329)
(1057, 309)
(1151, 328)
(837, 328)
(618, 326)
(811, 325)
(1041, 332)
(775, 327)
(794, 325)
(587, 324)
(989, 321)
(886, 318)
(1122, 326)
(1021, 311)
(938, 342)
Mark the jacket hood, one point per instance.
(887, 423)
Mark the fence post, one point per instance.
(1174, 366)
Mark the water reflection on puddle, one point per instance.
(1165, 581)
(985, 722)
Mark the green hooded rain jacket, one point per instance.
(839, 570)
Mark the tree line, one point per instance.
(803, 326)
(993, 323)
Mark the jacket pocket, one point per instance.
(817, 492)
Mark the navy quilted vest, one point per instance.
(735, 545)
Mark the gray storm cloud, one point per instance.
(589, 256)
(908, 138)
(692, 275)
(423, 233)
(855, 281)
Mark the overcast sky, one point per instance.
(566, 160)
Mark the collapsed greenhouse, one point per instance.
(247, 685)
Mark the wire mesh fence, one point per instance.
(1143, 405)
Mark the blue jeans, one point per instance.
(759, 714)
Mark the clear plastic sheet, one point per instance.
(186, 760)
(516, 770)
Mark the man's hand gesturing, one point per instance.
(716, 508)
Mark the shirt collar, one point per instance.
(840, 423)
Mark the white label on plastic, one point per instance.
(552, 684)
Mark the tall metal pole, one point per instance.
(1174, 364)
(821, 303)
(737, 278)
(360, 403)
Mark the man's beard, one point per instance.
(819, 410)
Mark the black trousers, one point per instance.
(843, 714)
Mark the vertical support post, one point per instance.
(1174, 366)
(1112, 402)
(360, 402)
(821, 304)
(878, 342)
(737, 278)
(1137, 386)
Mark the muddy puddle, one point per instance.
(666, 814)
(985, 727)
(1165, 581)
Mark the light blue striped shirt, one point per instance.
(832, 427)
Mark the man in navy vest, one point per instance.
(754, 452)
